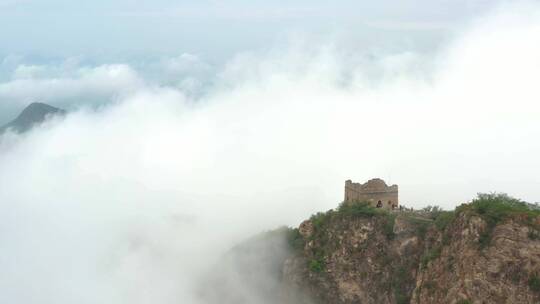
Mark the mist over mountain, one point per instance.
(485, 251)
(33, 115)
(173, 155)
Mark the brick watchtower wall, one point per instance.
(375, 192)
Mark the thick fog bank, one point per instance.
(135, 199)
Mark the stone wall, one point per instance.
(375, 191)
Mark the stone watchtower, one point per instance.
(375, 192)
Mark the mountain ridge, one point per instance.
(34, 114)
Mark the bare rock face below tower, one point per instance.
(487, 251)
(406, 259)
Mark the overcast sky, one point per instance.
(124, 28)
(164, 41)
(418, 55)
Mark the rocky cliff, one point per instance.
(487, 251)
(484, 252)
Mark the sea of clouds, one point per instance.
(159, 170)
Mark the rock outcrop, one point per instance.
(484, 252)
(504, 271)
(352, 259)
(408, 257)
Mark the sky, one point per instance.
(61, 36)
(411, 63)
(192, 127)
(216, 29)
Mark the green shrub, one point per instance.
(356, 209)
(400, 280)
(320, 219)
(445, 239)
(534, 283)
(464, 302)
(295, 239)
(484, 239)
(422, 225)
(316, 265)
(360, 209)
(533, 235)
(402, 298)
(444, 218)
(389, 226)
(429, 285)
(433, 211)
(495, 208)
(432, 254)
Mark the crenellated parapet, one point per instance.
(375, 192)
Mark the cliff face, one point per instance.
(357, 260)
(504, 271)
(487, 251)
(411, 258)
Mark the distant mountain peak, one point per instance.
(38, 106)
(34, 114)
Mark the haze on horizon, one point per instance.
(127, 29)
(194, 126)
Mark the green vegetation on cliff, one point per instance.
(294, 239)
(360, 209)
(495, 208)
(492, 208)
(534, 283)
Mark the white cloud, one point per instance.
(188, 72)
(54, 84)
(185, 64)
(29, 71)
(134, 202)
